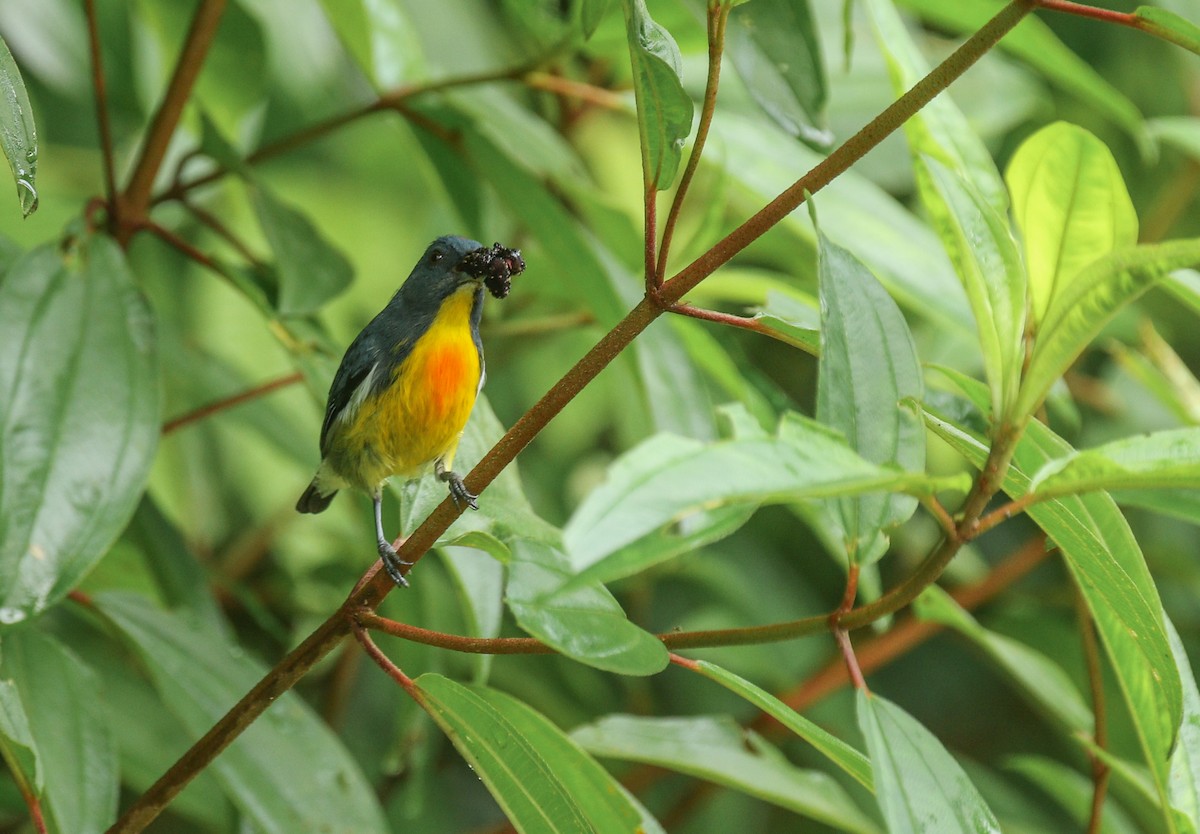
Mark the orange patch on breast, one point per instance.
(451, 374)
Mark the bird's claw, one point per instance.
(392, 563)
(458, 491)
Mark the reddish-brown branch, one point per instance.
(943, 518)
(575, 89)
(100, 89)
(134, 202)
(1003, 513)
(382, 661)
(229, 402)
(750, 323)
(1082, 10)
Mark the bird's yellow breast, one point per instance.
(421, 414)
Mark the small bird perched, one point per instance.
(406, 386)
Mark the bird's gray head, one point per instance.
(437, 275)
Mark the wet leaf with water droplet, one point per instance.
(18, 136)
(80, 414)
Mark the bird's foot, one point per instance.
(392, 563)
(458, 490)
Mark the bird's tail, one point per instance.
(313, 501)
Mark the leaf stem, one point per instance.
(1004, 513)
(134, 202)
(754, 325)
(382, 661)
(717, 16)
(229, 402)
(575, 89)
(100, 88)
(1084, 10)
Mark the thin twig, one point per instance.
(751, 323)
(1083, 10)
(1002, 514)
(100, 88)
(943, 518)
(575, 89)
(134, 202)
(382, 661)
(229, 402)
(210, 221)
(718, 16)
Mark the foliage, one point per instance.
(953, 403)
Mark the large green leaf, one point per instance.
(1109, 568)
(837, 751)
(919, 786)
(1081, 310)
(18, 134)
(774, 47)
(1042, 681)
(311, 270)
(868, 368)
(1164, 459)
(75, 745)
(1169, 26)
(940, 130)
(1071, 790)
(664, 107)
(539, 776)
(667, 479)
(380, 38)
(1034, 42)
(585, 623)
(79, 417)
(1071, 205)
(985, 255)
(17, 746)
(718, 750)
(269, 770)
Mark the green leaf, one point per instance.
(380, 38)
(1168, 458)
(1184, 779)
(1071, 205)
(837, 751)
(1034, 42)
(1070, 790)
(667, 479)
(541, 778)
(664, 108)
(1082, 309)
(1169, 26)
(267, 771)
(897, 247)
(66, 719)
(868, 367)
(796, 322)
(16, 742)
(590, 15)
(585, 623)
(1039, 679)
(716, 749)
(1111, 572)
(919, 785)
(79, 377)
(940, 130)
(311, 270)
(18, 134)
(986, 258)
(774, 47)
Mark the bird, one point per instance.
(401, 397)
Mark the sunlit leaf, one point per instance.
(80, 414)
(585, 623)
(1164, 459)
(18, 134)
(988, 263)
(76, 749)
(919, 786)
(380, 37)
(868, 368)
(287, 772)
(667, 479)
(716, 749)
(539, 776)
(774, 47)
(1082, 309)
(1071, 205)
(664, 107)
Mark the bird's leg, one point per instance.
(458, 490)
(391, 562)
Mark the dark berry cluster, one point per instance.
(496, 266)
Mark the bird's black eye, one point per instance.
(434, 257)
